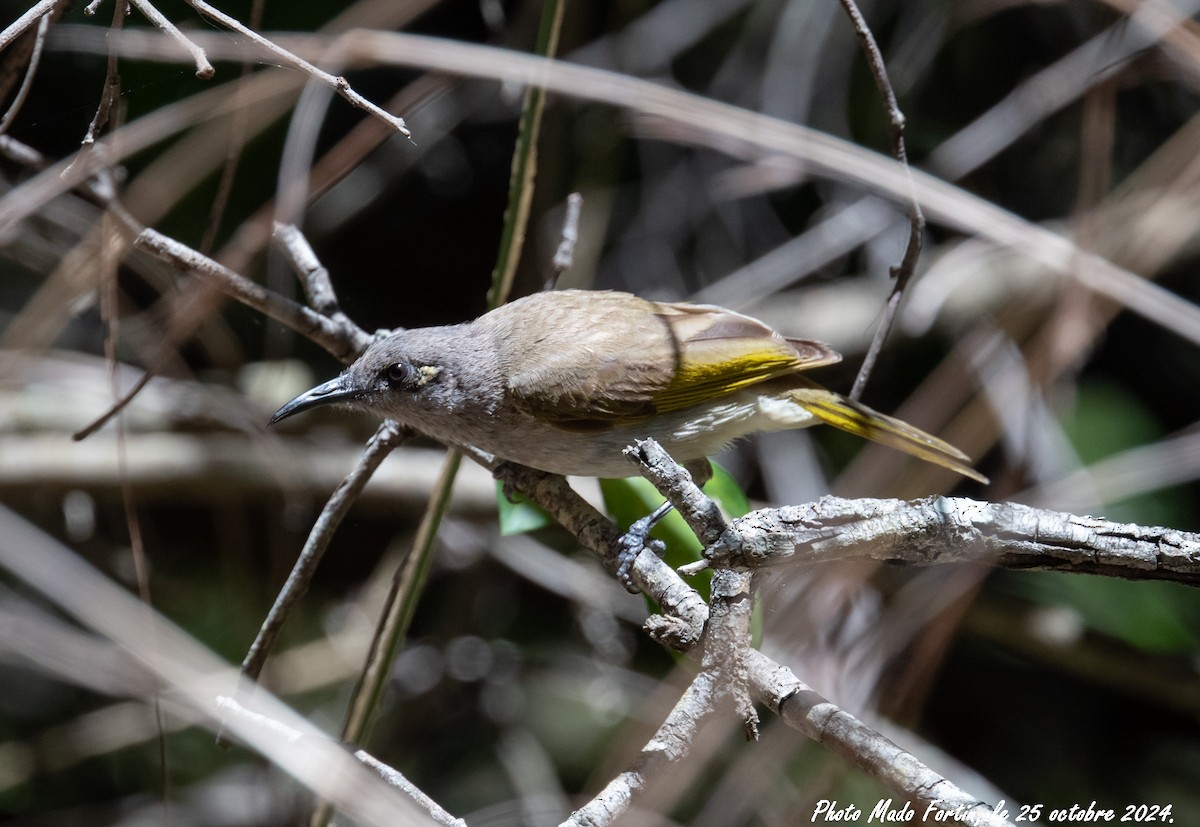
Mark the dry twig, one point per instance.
(336, 83)
(204, 69)
(902, 272)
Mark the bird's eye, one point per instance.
(399, 373)
(408, 376)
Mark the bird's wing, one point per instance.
(591, 359)
(634, 358)
(720, 351)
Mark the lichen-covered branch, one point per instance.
(957, 530)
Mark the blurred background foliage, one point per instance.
(526, 682)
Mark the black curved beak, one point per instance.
(335, 390)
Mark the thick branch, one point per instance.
(684, 610)
(772, 684)
(955, 529)
(824, 722)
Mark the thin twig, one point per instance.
(35, 59)
(386, 438)
(206, 293)
(409, 581)
(337, 83)
(112, 82)
(314, 276)
(564, 255)
(14, 29)
(109, 93)
(233, 150)
(903, 271)
(344, 340)
(204, 69)
(396, 779)
(196, 300)
(669, 745)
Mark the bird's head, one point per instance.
(408, 376)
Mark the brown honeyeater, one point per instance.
(564, 380)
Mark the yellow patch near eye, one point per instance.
(427, 374)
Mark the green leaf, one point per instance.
(1106, 420)
(630, 499)
(1159, 618)
(729, 495)
(519, 515)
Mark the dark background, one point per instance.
(1058, 690)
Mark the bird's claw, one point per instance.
(632, 543)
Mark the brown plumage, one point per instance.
(564, 380)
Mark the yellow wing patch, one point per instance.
(715, 367)
(719, 352)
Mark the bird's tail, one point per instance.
(856, 418)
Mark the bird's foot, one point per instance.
(636, 539)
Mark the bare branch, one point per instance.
(564, 256)
(774, 685)
(903, 271)
(956, 529)
(387, 437)
(344, 340)
(313, 275)
(669, 745)
(15, 29)
(35, 59)
(337, 84)
(396, 779)
(686, 612)
(204, 69)
(111, 90)
(807, 711)
(700, 512)
(727, 642)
